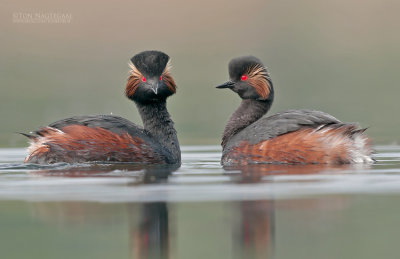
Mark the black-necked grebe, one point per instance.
(112, 138)
(292, 137)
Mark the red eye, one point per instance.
(160, 78)
(143, 79)
(244, 77)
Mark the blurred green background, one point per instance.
(341, 57)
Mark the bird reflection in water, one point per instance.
(255, 227)
(254, 232)
(142, 174)
(148, 222)
(260, 172)
(152, 226)
(150, 238)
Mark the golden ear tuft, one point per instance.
(133, 81)
(166, 76)
(257, 78)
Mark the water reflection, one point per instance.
(150, 233)
(151, 229)
(150, 238)
(143, 174)
(260, 222)
(255, 173)
(240, 221)
(255, 234)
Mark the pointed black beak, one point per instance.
(154, 86)
(228, 84)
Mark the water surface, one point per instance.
(199, 210)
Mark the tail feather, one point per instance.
(360, 131)
(358, 144)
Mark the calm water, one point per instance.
(199, 210)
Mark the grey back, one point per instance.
(268, 127)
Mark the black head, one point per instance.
(250, 79)
(150, 79)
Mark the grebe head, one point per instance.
(150, 79)
(249, 78)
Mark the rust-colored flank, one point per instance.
(77, 143)
(304, 146)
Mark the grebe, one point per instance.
(290, 137)
(112, 138)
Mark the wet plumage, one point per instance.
(292, 137)
(112, 138)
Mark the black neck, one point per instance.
(157, 122)
(248, 112)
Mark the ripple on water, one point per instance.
(200, 178)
